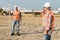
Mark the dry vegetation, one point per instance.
(30, 28)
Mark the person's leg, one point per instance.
(13, 26)
(17, 26)
(47, 37)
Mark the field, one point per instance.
(30, 28)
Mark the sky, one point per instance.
(29, 4)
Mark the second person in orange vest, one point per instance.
(16, 19)
(47, 21)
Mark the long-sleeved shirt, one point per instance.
(48, 21)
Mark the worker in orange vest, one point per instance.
(47, 21)
(16, 19)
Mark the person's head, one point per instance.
(47, 6)
(16, 7)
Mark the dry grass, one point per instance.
(30, 28)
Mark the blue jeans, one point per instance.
(15, 22)
(47, 37)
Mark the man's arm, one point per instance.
(20, 15)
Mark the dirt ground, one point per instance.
(30, 28)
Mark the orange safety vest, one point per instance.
(16, 15)
(46, 22)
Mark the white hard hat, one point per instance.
(47, 4)
(15, 6)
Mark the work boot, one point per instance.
(18, 33)
(12, 34)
